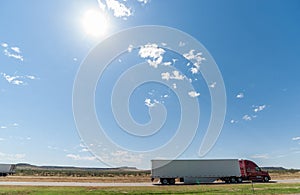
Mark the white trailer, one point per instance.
(6, 169)
(194, 171)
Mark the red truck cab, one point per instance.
(250, 171)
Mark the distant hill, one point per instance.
(24, 169)
(25, 166)
(274, 168)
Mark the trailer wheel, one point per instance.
(232, 180)
(172, 181)
(164, 181)
(239, 180)
(266, 179)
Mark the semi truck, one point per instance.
(7, 169)
(206, 171)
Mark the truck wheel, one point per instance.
(266, 179)
(172, 181)
(232, 180)
(164, 181)
(239, 180)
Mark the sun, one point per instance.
(95, 23)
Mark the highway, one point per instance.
(91, 184)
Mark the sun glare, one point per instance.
(94, 23)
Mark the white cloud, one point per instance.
(247, 118)
(167, 63)
(213, 85)
(17, 80)
(3, 127)
(13, 52)
(13, 55)
(30, 77)
(4, 44)
(195, 57)
(295, 138)
(81, 158)
(149, 103)
(259, 108)
(143, 1)
(174, 86)
(130, 48)
(119, 9)
(83, 147)
(11, 157)
(260, 156)
(122, 156)
(16, 49)
(232, 121)
(193, 94)
(175, 75)
(52, 147)
(75, 59)
(1, 139)
(240, 95)
(194, 70)
(174, 60)
(181, 44)
(153, 52)
(165, 76)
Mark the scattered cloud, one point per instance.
(149, 103)
(181, 44)
(52, 147)
(130, 48)
(240, 95)
(259, 108)
(232, 121)
(16, 49)
(247, 117)
(213, 85)
(260, 156)
(83, 147)
(12, 52)
(1, 139)
(75, 59)
(174, 60)
(194, 70)
(13, 55)
(296, 138)
(174, 86)
(153, 53)
(144, 1)
(167, 63)
(13, 125)
(196, 58)
(122, 156)
(119, 9)
(174, 75)
(81, 158)
(11, 157)
(193, 94)
(4, 45)
(17, 80)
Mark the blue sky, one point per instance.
(255, 44)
